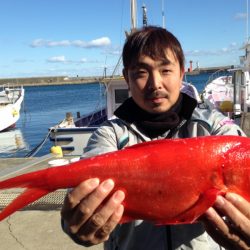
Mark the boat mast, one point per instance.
(247, 24)
(247, 47)
(133, 10)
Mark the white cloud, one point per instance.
(83, 60)
(96, 43)
(233, 44)
(56, 59)
(62, 59)
(103, 41)
(37, 43)
(240, 16)
(233, 47)
(62, 43)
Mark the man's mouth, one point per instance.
(157, 100)
(156, 96)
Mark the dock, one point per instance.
(37, 226)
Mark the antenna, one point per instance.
(144, 17)
(163, 15)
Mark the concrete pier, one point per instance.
(38, 226)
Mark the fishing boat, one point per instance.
(72, 133)
(11, 99)
(230, 93)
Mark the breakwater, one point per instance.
(48, 80)
(62, 80)
(209, 70)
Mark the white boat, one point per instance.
(230, 93)
(11, 99)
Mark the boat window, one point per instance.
(242, 78)
(121, 95)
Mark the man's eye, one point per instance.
(141, 73)
(166, 71)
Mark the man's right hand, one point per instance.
(89, 218)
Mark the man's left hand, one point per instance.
(228, 222)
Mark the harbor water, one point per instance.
(45, 106)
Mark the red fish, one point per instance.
(166, 181)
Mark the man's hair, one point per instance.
(151, 41)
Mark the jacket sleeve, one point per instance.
(223, 125)
(103, 140)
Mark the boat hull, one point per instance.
(10, 108)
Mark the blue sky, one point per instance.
(80, 37)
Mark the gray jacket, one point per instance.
(142, 235)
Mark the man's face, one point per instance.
(155, 85)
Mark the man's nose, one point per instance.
(155, 81)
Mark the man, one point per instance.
(153, 69)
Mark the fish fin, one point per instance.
(27, 197)
(205, 201)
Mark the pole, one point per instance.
(247, 24)
(133, 9)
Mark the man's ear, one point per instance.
(125, 75)
(182, 77)
(182, 73)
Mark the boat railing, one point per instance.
(10, 92)
(216, 74)
(10, 86)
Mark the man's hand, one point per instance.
(89, 217)
(228, 222)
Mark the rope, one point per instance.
(35, 150)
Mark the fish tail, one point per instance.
(28, 196)
(35, 189)
(29, 180)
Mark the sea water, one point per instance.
(45, 106)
